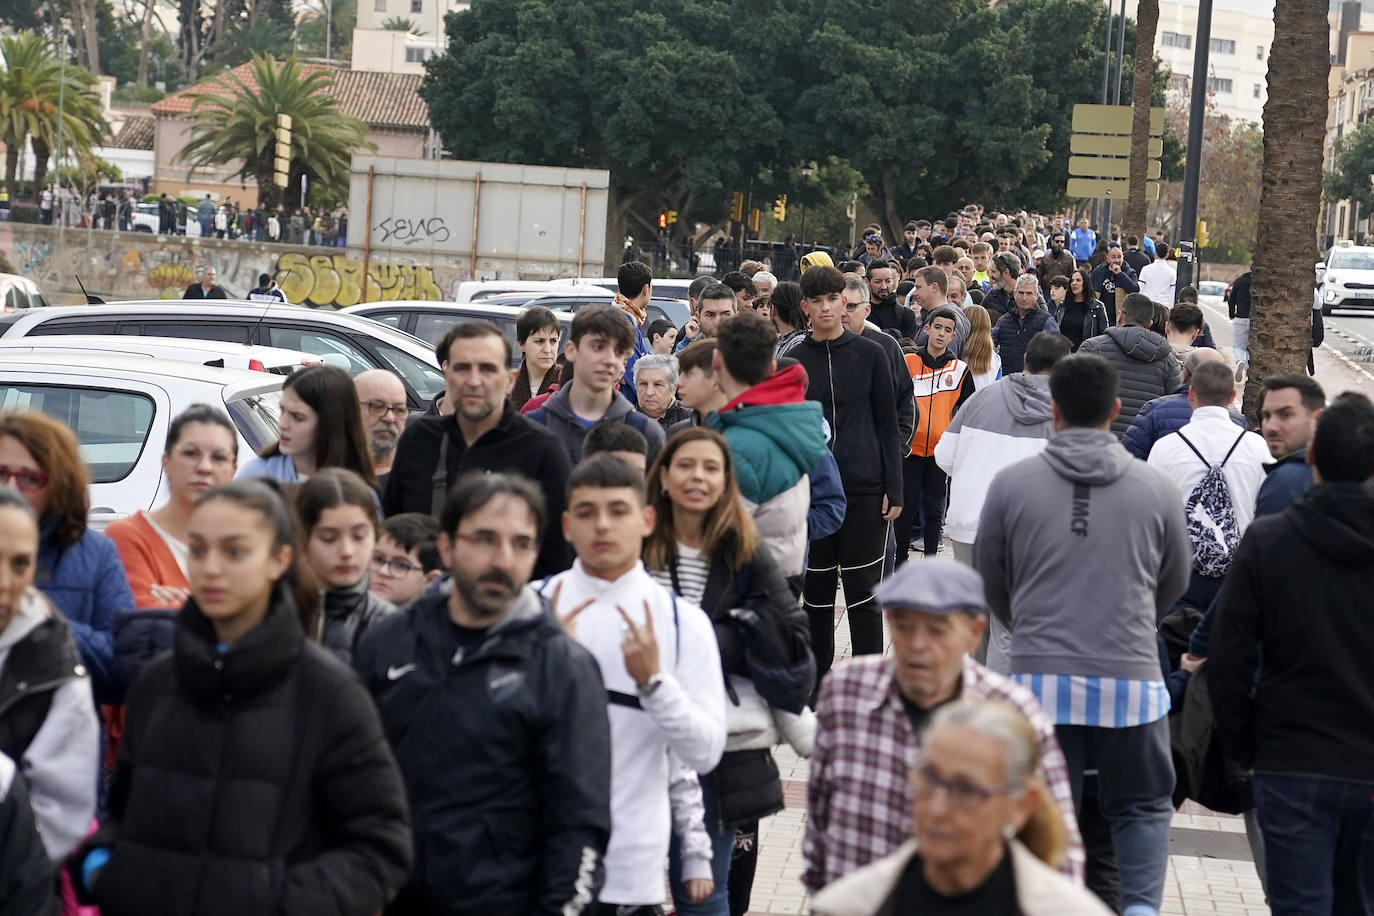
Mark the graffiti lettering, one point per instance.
(336, 280)
(171, 276)
(412, 231)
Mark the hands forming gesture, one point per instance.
(639, 647)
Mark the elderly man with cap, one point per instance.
(871, 712)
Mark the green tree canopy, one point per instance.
(238, 122)
(1352, 177)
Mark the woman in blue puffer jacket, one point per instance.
(78, 569)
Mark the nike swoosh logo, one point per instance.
(393, 673)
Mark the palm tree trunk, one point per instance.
(1147, 20)
(1290, 190)
(12, 166)
(41, 152)
(144, 45)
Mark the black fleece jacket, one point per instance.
(892, 316)
(1297, 598)
(851, 379)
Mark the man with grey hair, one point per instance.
(1015, 329)
(1167, 414)
(764, 283)
(383, 401)
(717, 303)
(655, 385)
(857, 307)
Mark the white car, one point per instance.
(348, 341)
(477, 290)
(1211, 292)
(120, 408)
(1347, 278)
(206, 352)
(17, 293)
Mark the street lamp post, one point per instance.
(807, 171)
(1192, 175)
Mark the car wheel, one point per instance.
(147, 229)
(1327, 309)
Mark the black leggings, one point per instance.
(923, 485)
(854, 553)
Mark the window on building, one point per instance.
(1259, 52)
(1178, 81)
(1223, 46)
(1218, 85)
(417, 55)
(1176, 40)
(1256, 90)
(379, 5)
(417, 6)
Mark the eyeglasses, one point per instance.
(854, 306)
(396, 566)
(488, 541)
(962, 794)
(194, 455)
(23, 478)
(379, 408)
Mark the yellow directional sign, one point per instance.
(1112, 119)
(1108, 167)
(1108, 188)
(1100, 145)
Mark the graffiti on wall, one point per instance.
(170, 279)
(337, 280)
(31, 256)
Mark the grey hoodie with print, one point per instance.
(1083, 549)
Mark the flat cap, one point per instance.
(934, 585)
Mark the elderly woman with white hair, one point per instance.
(986, 834)
(656, 388)
(764, 283)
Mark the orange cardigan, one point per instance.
(147, 559)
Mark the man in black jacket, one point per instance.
(852, 380)
(888, 312)
(1295, 608)
(498, 721)
(484, 434)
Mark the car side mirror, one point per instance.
(1321, 265)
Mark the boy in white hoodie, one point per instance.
(659, 661)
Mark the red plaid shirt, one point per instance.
(858, 806)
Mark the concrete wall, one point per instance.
(136, 265)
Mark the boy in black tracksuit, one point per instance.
(852, 380)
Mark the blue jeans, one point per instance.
(722, 845)
(1318, 844)
(1135, 782)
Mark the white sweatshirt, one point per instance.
(685, 715)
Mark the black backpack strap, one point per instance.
(616, 698)
(1199, 454)
(439, 482)
(1234, 445)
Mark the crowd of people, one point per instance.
(532, 651)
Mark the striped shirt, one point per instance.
(1101, 702)
(692, 572)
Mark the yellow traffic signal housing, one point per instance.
(1202, 238)
(780, 208)
(737, 206)
(672, 217)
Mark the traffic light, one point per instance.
(663, 219)
(281, 175)
(737, 206)
(754, 220)
(1202, 238)
(672, 217)
(780, 208)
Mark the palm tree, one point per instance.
(36, 93)
(1290, 194)
(237, 122)
(401, 24)
(248, 37)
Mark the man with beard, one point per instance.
(1057, 262)
(383, 400)
(887, 312)
(521, 825)
(484, 433)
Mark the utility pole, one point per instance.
(1106, 75)
(1192, 174)
(1116, 95)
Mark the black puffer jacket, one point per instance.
(348, 613)
(506, 753)
(1146, 364)
(253, 780)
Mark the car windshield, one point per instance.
(1211, 288)
(256, 414)
(1351, 260)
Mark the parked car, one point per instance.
(477, 290)
(17, 293)
(205, 352)
(1347, 278)
(1212, 292)
(669, 289)
(349, 341)
(430, 320)
(120, 407)
(145, 218)
(675, 310)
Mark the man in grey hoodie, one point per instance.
(1009, 420)
(1085, 512)
(1143, 359)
